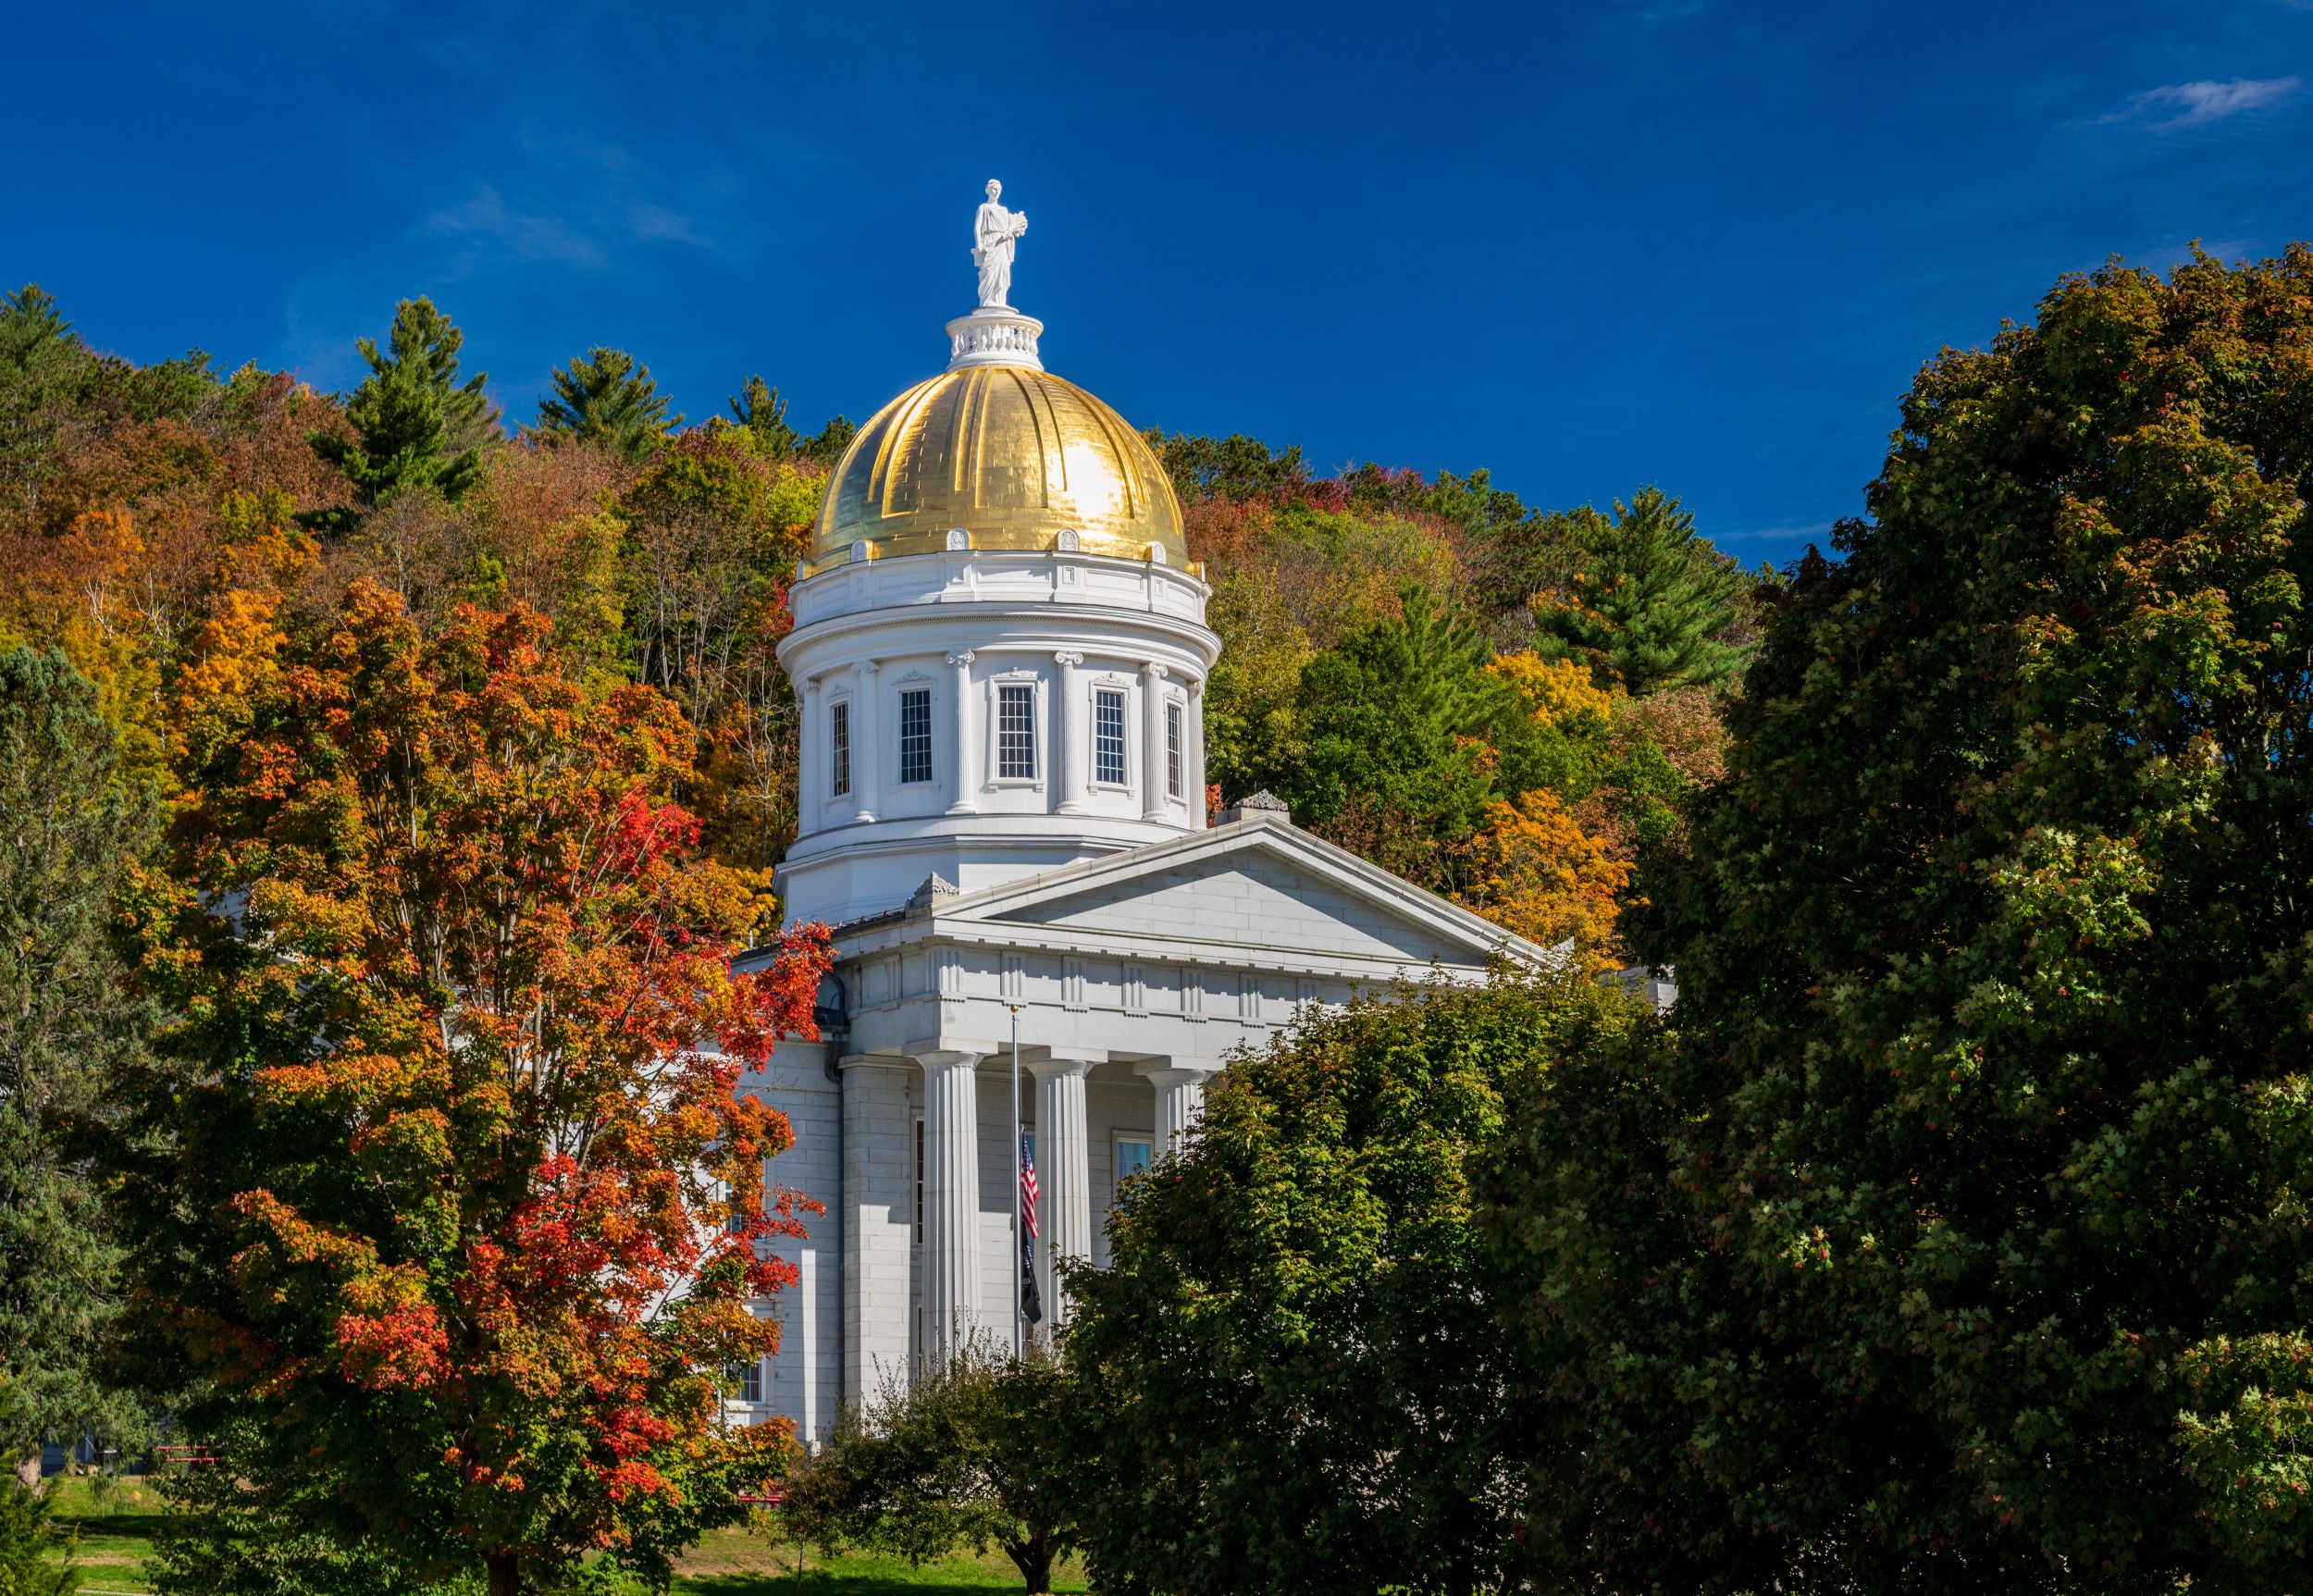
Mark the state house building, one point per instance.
(1000, 654)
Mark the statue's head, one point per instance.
(995, 188)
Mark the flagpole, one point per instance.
(1019, 1329)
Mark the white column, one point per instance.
(810, 778)
(967, 751)
(1064, 1192)
(951, 1200)
(1066, 759)
(1193, 756)
(1180, 1103)
(878, 1213)
(867, 743)
(1152, 742)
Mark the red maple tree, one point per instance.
(447, 1204)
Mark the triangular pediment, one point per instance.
(1259, 885)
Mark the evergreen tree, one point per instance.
(763, 414)
(29, 1541)
(38, 356)
(1395, 715)
(415, 425)
(826, 446)
(65, 1026)
(1648, 600)
(605, 399)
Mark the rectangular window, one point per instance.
(1131, 1159)
(1172, 750)
(839, 749)
(1015, 732)
(751, 1381)
(915, 734)
(1109, 737)
(919, 1235)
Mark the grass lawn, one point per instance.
(115, 1521)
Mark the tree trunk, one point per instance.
(505, 1573)
(28, 1471)
(1033, 1558)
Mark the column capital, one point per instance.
(1063, 1061)
(1068, 657)
(963, 657)
(1155, 672)
(934, 1059)
(1165, 1072)
(867, 667)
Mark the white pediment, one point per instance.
(1259, 886)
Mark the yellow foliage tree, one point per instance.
(1537, 872)
(1555, 692)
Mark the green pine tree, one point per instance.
(38, 356)
(65, 1028)
(763, 414)
(1395, 717)
(826, 446)
(1649, 601)
(604, 398)
(415, 425)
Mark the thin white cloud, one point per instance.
(2199, 102)
(528, 237)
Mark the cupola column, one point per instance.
(867, 744)
(1066, 759)
(811, 782)
(1192, 757)
(951, 1200)
(967, 748)
(1153, 741)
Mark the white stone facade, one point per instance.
(1136, 976)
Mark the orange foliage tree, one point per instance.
(454, 1100)
(1535, 871)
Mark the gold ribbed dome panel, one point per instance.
(1014, 456)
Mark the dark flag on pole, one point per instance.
(1030, 1300)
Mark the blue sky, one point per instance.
(1692, 243)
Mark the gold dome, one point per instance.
(1012, 454)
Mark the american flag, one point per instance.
(1031, 1299)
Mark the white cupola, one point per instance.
(999, 650)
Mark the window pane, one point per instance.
(1132, 1159)
(1172, 749)
(1109, 737)
(751, 1381)
(915, 734)
(1016, 733)
(839, 748)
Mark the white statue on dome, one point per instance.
(994, 230)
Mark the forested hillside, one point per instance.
(1497, 701)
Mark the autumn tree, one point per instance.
(714, 528)
(414, 425)
(603, 398)
(1956, 1240)
(66, 1024)
(1290, 1378)
(444, 1208)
